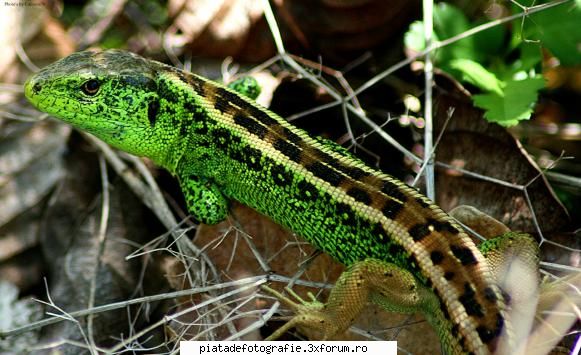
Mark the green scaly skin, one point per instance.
(223, 146)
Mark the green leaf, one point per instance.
(559, 30)
(514, 104)
(415, 40)
(525, 64)
(530, 55)
(489, 44)
(450, 21)
(475, 74)
(414, 37)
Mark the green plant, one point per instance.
(504, 61)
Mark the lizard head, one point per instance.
(111, 94)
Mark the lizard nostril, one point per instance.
(36, 88)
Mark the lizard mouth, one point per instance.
(33, 93)
(31, 88)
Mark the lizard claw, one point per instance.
(310, 316)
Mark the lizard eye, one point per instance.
(91, 87)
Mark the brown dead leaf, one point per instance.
(471, 143)
(217, 28)
(71, 247)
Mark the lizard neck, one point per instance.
(172, 116)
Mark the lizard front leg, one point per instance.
(205, 201)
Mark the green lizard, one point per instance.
(403, 252)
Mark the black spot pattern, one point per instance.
(235, 139)
(499, 324)
(443, 307)
(201, 129)
(288, 149)
(257, 122)
(359, 195)
(396, 249)
(468, 300)
(197, 84)
(345, 212)
(221, 138)
(444, 226)
(490, 295)
(463, 254)
(357, 173)
(152, 110)
(414, 266)
(422, 230)
(506, 297)
(484, 333)
(437, 257)
(419, 231)
(225, 100)
(200, 121)
(252, 158)
(250, 125)
(223, 105)
(185, 128)
(455, 330)
(307, 190)
(487, 335)
(167, 91)
(280, 175)
(290, 136)
(189, 107)
(322, 171)
(391, 189)
(422, 202)
(391, 208)
(379, 233)
(352, 172)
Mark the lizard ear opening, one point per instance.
(91, 87)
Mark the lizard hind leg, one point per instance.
(369, 280)
(310, 316)
(247, 86)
